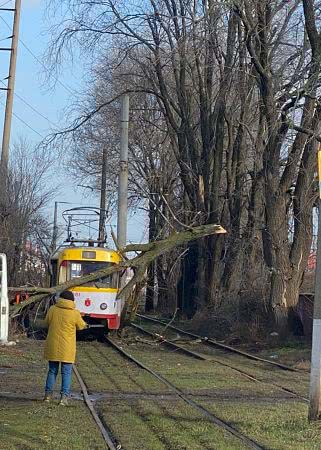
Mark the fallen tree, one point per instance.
(147, 254)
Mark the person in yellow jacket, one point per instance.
(62, 320)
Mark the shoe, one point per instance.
(47, 397)
(64, 400)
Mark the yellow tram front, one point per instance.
(97, 301)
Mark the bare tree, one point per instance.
(236, 84)
(154, 178)
(287, 96)
(23, 227)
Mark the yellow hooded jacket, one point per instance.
(62, 320)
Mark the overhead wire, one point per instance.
(24, 122)
(32, 107)
(71, 91)
(3, 39)
(4, 4)
(43, 65)
(19, 96)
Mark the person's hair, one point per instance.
(67, 295)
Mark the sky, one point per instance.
(38, 106)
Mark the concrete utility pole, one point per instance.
(123, 175)
(55, 229)
(10, 94)
(4, 302)
(102, 213)
(315, 374)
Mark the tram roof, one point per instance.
(85, 253)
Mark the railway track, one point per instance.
(247, 441)
(106, 434)
(200, 356)
(173, 391)
(213, 343)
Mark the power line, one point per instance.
(42, 64)
(25, 123)
(38, 60)
(32, 107)
(4, 4)
(19, 96)
(1, 6)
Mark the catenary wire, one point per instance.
(19, 96)
(24, 122)
(37, 59)
(32, 107)
(4, 4)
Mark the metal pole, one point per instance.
(55, 229)
(315, 374)
(4, 302)
(55, 226)
(10, 93)
(102, 214)
(123, 175)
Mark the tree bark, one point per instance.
(150, 288)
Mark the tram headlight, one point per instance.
(103, 306)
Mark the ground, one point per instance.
(143, 413)
(28, 423)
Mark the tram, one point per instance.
(78, 256)
(97, 301)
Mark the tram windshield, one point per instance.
(77, 269)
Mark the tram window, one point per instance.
(63, 272)
(75, 270)
(82, 268)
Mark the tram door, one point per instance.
(4, 301)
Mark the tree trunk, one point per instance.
(151, 272)
(187, 285)
(287, 267)
(150, 288)
(164, 304)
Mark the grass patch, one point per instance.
(150, 425)
(281, 427)
(35, 425)
(28, 423)
(23, 369)
(105, 371)
(298, 382)
(195, 376)
(294, 354)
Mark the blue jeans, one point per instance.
(66, 371)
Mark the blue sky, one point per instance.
(30, 79)
(32, 88)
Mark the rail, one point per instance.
(214, 360)
(207, 341)
(250, 443)
(104, 432)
